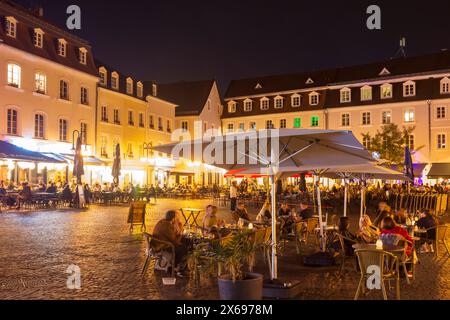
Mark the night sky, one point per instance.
(167, 41)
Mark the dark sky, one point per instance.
(168, 40)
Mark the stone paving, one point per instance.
(38, 247)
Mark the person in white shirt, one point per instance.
(233, 195)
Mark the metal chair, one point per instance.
(342, 253)
(159, 255)
(388, 265)
(439, 238)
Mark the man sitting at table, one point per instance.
(166, 230)
(305, 212)
(51, 188)
(241, 212)
(24, 195)
(425, 222)
(284, 211)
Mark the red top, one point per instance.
(401, 231)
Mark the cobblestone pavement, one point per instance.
(38, 247)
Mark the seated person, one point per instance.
(367, 231)
(51, 188)
(401, 217)
(382, 212)
(264, 214)
(241, 212)
(426, 221)
(388, 227)
(349, 240)
(166, 230)
(305, 212)
(24, 194)
(284, 211)
(210, 219)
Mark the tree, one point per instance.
(390, 142)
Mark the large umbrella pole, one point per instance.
(345, 197)
(274, 269)
(363, 198)
(319, 207)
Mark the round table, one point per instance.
(372, 246)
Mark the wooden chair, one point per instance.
(441, 232)
(159, 256)
(342, 251)
(388, 265)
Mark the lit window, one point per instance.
(409, 89)
(366, 119)
(282, 123)
(409, 115)
(230, 127)
(252, 126)
(38, 38)
(386, 117)
(441, 112)
(366, 142)
(14, 75)
(62, 130)
(40, 83)
(386, 91)
(297, 123)
(84, 99)
(296, 100)
(265, 103)
(345, 120)
(366, 93)
(103, 76)
(12, 121)
(184, 126)
(130, 150)
(105, 114)
(84, 133)
(248, 105)
(160, 124)
(445, 85)
(39, 126)
(62, 47)
(115, 80)
(232, 106)
(313, 98)
(140, 90)
(64, 90)
(279, 102)
(269, 124)
(410, 142)
(441, 141)
(346, 95)
(83, 55)
(314, 121)
(241, 126)
(129, 86)
(11, 27)
(151, 124)
(104, 147)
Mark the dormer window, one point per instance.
(258, 86)
(103, 76)
(296, 100)
(140, 90)
(248, 105)
(62, 47)
(409, 89)
(264, 103)
(129, 86)
(278, 102)
(346, 95)
(445, 86)
(232, 106)
(11, 27)
(309, 81)
(154, 90)
(313, 98)
(366, 93)
(115, 80)
(83, 55)
(38, 38)
(386, 91)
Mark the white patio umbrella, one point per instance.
(273, 152)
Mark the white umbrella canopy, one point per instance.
(273, 152)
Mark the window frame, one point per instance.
(345, 95)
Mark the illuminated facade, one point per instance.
(412, 91)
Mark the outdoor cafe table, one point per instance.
(371, 246)
(191, 213)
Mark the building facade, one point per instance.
(409, 92)
(48, 83)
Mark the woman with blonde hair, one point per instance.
(264, 214)
(367, 231)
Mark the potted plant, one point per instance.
(233, 253)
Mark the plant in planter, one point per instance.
(233, 253)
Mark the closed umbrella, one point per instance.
(116, 165)
(273, 152)
(78, 163)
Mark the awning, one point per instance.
(439, 170)
(68, 158)
(13, 152)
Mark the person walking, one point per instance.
(233, 195)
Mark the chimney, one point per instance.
(41, 12)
